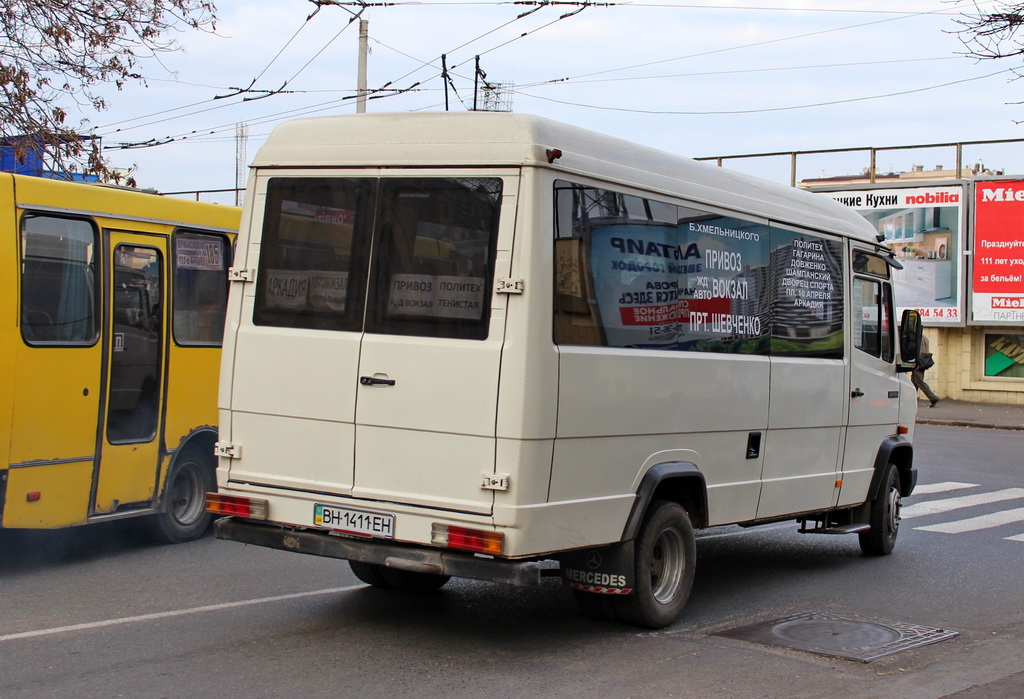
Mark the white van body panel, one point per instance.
(568, 431)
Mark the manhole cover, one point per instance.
(840, 637)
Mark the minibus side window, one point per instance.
(866, 263)
(316, 235)
(58, 281)
(433, 258)
(807, 317)
(201, 263)
(873, 319)
(643, 274)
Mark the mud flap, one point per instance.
(605, 570)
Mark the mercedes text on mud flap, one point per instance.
(473, 344)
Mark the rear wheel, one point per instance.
(884, 517)
(664, 556)
(183, 516)
(394, 579)
(369, 573)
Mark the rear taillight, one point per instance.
(236, 506)
(475, 540)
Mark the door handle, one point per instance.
(375, 381)
(856, 393)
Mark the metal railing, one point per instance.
(872, 165)
(830, 166)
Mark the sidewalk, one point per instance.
(966, 414)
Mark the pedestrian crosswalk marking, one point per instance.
(970, 524)
(996, 519)
(945, 487)
(933, 507)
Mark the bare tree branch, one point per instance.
(992, 33)
(55, 53)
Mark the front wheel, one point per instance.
(884, 517)
(664, 555)
(183, 516)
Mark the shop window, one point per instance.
(1004, 355)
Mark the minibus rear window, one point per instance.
(316, 235)
(400, 256)
(431, 272)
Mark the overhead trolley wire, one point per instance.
(768, 109)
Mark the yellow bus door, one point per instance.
(133, 404)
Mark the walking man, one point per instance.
(924, 362)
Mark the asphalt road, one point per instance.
(101, 612)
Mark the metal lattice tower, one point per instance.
(495, 97)
(241, 161)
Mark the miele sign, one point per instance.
(997, 272)
(990, 193)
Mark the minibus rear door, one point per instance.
(431, 351)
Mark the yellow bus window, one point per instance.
(58, 281)
(200, 287)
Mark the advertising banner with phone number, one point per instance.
(998, 256)
(923, 228)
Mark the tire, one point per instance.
(884, 517)
(369, 573)
(183, 516)
(664, 555)
(394, 579)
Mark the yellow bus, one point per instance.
(113, 307)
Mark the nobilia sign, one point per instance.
(923, 228)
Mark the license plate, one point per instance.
(358, 522)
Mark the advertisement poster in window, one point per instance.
(998, 256)
(923, 227)
(693, 286)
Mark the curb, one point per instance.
(967, 423)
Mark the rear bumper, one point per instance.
(399, 556)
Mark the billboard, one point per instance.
(998, 255)
(923, 226)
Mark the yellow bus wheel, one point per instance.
(183, 516)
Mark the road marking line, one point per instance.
(971, 524)
(933, 507)
(1018, 537)
(942, 487)
(174, 613)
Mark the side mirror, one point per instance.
(911, 331)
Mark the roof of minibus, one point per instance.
(117, 202)
(496, 139)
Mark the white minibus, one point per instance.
(472, 344)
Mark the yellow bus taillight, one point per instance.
(236, 506)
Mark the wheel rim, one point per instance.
(187, 495)
(892, 511)
(668, 560)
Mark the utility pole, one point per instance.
(361, 80)
(476, 82)
(444, 78)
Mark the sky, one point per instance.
(700, 79)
